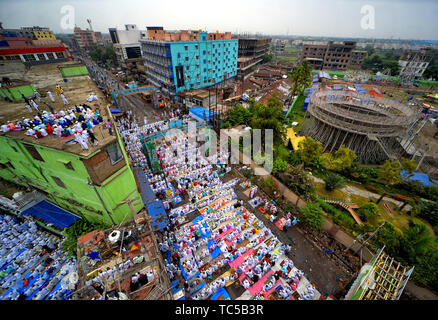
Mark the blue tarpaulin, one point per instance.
(221, 292)
(51, 213)
(201, 114)
(115, 110)
(423, 178)
(158, 215)
(147, 195)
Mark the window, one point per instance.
(69, 166)
(114, 153)
(60, 55)
(59, 182)
(41, 57)
(33, 152)
(186, 48)
(187, 58)
(196, 47)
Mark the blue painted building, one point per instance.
(176, 66)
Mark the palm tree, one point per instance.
(300, 77)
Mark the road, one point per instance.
(139, 108)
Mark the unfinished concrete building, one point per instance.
(333, 55)
(122, 263)
(372, 127)
(251, 53)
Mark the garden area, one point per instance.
(409, 235)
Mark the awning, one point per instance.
(51, 213)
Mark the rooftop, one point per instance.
(76, 90)
(99, 251)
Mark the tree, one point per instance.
(238, 115)
(279, 166)
(312, 214)
(268, 58)
(298, 180)
(368, 211)
(393, 65)
(409, 166)
(415, 242)
(75, 231)
(269, 117)
(431, 71)
(309, 150)
(389, 173)
(300, 77)
(333, 181)
(341, 159)
(428, 210)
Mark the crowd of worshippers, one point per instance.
(32, 262)
(78, 121)
(185, 249)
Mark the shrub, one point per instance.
(312, 215)
(333, 181)
(368, 211)
(279, 166)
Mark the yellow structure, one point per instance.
(293, 138)
(44, 35)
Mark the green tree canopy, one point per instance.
(368, 211)
(408, 165)
(341, 159)
(389, 173)
(313, 215)
(309, 150)
(300, 77)
(333, 181)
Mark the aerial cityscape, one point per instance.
(184, 150)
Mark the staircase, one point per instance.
(347, 207)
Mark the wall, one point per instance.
(214, 59)
(78, 195)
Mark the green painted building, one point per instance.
(97, 184)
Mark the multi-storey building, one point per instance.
(87, 39)
(251, 53)
(333, 55)
(414, 63)
(95, 183)
(176, 61)
(32, 46)
(126, 43)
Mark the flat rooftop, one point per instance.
(76, 90)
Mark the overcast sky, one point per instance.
(406, 19)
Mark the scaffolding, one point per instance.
(370, 126)
(382, 278)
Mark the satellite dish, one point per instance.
(114, 236)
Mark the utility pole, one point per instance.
(370, 237)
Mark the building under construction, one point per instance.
(382, 278)
(122, 263)
(372, 127)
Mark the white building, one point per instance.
(126, 42)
